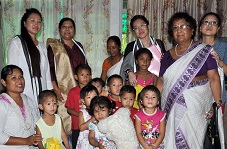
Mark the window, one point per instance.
(124, 26)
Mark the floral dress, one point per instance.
(83, 142)
(101, 137)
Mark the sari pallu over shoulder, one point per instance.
(115, 69)
(185, 107)
(63, 68)
(65, 78)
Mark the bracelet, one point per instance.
(153, 145)
(222, 64)
(210, 112)
(127, 71)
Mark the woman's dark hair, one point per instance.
(138, 17)
(87, 89)
(178, 16)
(8, 70)
(101, 102)
(44, 94)
(153, 89)
(116, 39)
(142, 51)
(208, 14)
(66, 19)
(32, 49)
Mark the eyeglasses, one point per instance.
(183, 27)
(142, 26)
(212, 23)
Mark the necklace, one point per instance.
(176, 49)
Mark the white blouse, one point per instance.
(12, 122)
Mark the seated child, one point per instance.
(100, 107)
(50, 125)
(73, 104)
(100, 85)
(127, 98)
(114, 84)
(86, 94)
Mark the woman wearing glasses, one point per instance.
(190, 78)
(139, 25)
(209, 27)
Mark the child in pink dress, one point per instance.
(150, 121)
(144, 77)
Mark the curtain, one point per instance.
(158, 13)
(91, 18)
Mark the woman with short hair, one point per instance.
(190, 83)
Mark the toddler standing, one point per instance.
(50, 125)
(100, 107)
(127, 98)
(114, 84)
(86, 94)
(150, 122)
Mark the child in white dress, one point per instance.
(86, 94)
(101, 107)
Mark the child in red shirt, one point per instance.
(127, 99)
(114, 84)
(73, 104)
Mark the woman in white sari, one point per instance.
(112, 64)
(188, 92)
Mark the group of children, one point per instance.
(87, 104)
